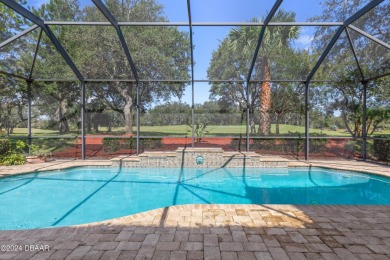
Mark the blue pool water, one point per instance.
(82, 195)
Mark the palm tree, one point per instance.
(244, 40)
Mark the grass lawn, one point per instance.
(42, 132)
(185, 130)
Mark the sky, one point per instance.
(207, 39)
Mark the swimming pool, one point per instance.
(85, 194)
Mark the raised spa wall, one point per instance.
(199, 158)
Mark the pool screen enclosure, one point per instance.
(353, 29)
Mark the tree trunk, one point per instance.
(265, 102)
(345, 120)
(62, 110)
(127, 110)
(277, 119)
(88, 122)
(96, 124)
(128, 116)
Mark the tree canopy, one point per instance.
(159, 52)
(164, 52)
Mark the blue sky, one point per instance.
(207, 39)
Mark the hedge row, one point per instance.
(114, 144)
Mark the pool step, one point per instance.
(200, 158)
(125, 159)
(241, 155)
(158, 154)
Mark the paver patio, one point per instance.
(218, 232)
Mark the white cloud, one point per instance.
(304, 41)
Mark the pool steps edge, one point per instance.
(200, 158)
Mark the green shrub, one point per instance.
(128, 143)
(351, 146)
(5, 146)
(294, 146)
(265, 144)
(110, 144)
(283, 145)
(20, 147)
(317, 145)
(114, 144)
(13, 159)
(238, 144)
(148, 143)
(381, 148)
(16, 153)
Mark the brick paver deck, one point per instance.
(218, 232)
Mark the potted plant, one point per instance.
(32, 153)
(36, 155)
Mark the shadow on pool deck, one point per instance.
(219, 231)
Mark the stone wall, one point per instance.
(192, 157)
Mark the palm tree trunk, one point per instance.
(265, 102)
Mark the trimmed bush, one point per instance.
(114, 144)
(281, 145)
(111, 144)
(148, 143)
(13, 159)
(317, 145)
(5, 146)
(381, 148)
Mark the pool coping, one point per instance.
(355, 166)
(351, 166)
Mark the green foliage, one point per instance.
(295, 146)
(148, 144)
(15, 154)
(5, 146)
(171, 113)
(280, 145)
(111, 145)
(20, 145)
(160, 53)
(13, 159)
(289, 146)
(376, 117)
(35, 150)
(114, 144)
(317, 145)
(381, 148)
(200, 130)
